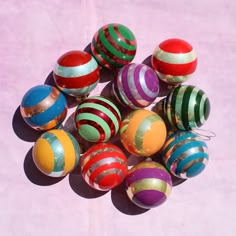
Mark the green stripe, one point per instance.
(191, 107)
(123, 129)
(89, 133)
(97, 119)
(101, 53)
(110, 48)
(185, 107)
(58, 151)
(207, 108)
(108, 102)
(76, 147)
(197, 108)
(142, 129)
(104, 110)
(125, 33)
(175, 107)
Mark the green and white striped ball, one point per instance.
(187, 107)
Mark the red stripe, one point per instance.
(174, 69)
(100, 102)
(105, 167)
(100, 60)
(102, 146)
(74, 58)
(95, 125)
(101, 156)
(110, 55)
(77, 82)
(110, 181)
(175, 46)
(100, 114)
(117, 46)
(93, 149)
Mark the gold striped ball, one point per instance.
(148, 184)
(56, 153)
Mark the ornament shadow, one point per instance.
(22, 130)
(81, 188)
(69, 126)
(71, 101)
(122, 203)
(88, 49)
(108, 93)
(105, 73)
(34, 175)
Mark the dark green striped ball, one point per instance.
(187, 107)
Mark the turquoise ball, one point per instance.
(185, 154)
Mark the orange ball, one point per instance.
(143, 132)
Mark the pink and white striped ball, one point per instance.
(76, 73)
(174, 61)
(136, 86)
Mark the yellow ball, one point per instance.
(56, 153)
(143, 132)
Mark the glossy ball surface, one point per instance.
(174, 60)
(186, 107)
(56, 153)
(114, 46)
(136, 86)
(185, 154)
(104, 166)
(143, 132)
(43, 107)
(148, 184)
(97, 119)
(76, 73)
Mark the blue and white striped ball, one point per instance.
(43, 107)
(185, 154)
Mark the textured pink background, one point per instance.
(33, 34)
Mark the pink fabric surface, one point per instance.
(33, 34)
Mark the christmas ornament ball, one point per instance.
(56, 153)
(97, 119)
(185, 154)
(136, 86)
(142, 132)
(76, 73)
(43, 107)
(114, 45)
(174, 60)
(186, 107)
(148, 184)
(104, 166)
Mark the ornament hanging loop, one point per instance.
(205, 134)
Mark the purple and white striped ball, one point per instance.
(136, 86)
(148, 184)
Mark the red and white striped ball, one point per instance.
(104, 166)
(174, 61)
(76, 73)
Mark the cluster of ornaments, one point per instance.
(97, 119)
